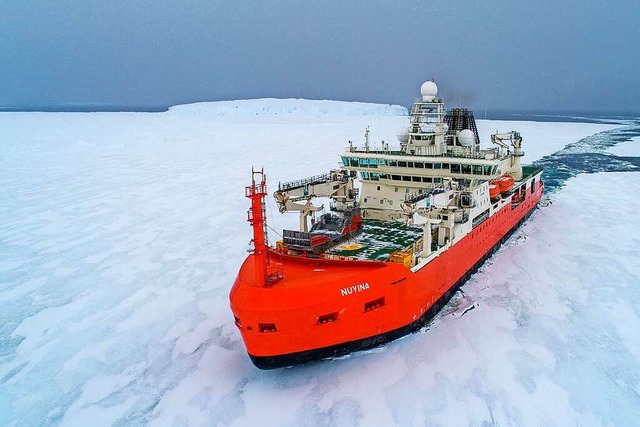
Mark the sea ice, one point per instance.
(121, 234)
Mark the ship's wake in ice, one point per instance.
(590, 155)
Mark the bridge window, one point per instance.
(466, 169)
(402, 164)
(353, 161)
(393, 163)
(437, 180)
(345, 161)
(426, 179)
(365, 175)
(455, 168)
(487, 170)
(406, 178)
(419, 165)
(445, 166)
(477, 169)
(429, 165)
(416, 179)
(396, 177)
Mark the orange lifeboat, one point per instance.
(494, 191)
(505, 183)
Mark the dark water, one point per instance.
(568, 117)
(590, 155)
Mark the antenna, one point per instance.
(366, 139)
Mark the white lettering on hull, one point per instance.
(355, 288)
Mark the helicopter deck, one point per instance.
(378, 240)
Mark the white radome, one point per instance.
(466, 138)
(403, 135)
(429, 90)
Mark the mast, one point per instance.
(255, 216)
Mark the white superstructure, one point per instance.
(438, 151)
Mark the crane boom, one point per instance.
(296, 196)
(516, 141)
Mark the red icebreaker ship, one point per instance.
(389, 255)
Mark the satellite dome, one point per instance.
(466, 138)
(403, 135)
(429, 90)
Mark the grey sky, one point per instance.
(542, 55)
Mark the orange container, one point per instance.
(401, 257)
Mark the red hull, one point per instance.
(324, 307)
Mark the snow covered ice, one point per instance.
(121, 235)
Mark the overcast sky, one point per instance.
(560, 55)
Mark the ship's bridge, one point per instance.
(385, 165)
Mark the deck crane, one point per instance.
(516, 141)
(336, 185)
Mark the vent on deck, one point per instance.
(460, 118)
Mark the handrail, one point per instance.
(396, 152)
(317, 179)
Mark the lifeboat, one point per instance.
(505, 183)
(494, 191)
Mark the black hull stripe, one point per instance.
(280, 361)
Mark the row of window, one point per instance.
(453, 167)
(375, 176)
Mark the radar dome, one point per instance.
(466, 138)
(403, 135)
(429, 90)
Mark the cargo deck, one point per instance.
(378, 240)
